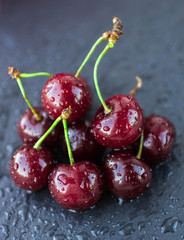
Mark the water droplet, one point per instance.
(106, 128)
(16, 166)
(169, 225)
(128, 229)
(98, 126)
(83, 236)
(52, 99)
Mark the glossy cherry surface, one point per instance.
(30, 168)
(64, 90)
(122, 126)
(76, 187)
(125, 175)
(31, 130)
(83, 144)
(159, 137)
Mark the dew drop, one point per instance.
(52, 99)
(106, 128)
(16, 166)
(169, 225)
(98, 126)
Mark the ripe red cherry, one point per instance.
(125, 175)
(76, 187)
(159, 137)
(83, 144)
(30, 168)
(63, 90)
(122, 126)
(31, 130)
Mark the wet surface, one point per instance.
(54, 36)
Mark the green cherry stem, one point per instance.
(37, 116)
(106, 49)
(89, 55)
(140, 146)
(28, 75)
(39, 142)
(70, 154)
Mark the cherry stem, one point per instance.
(140, 146)
(138, 85)
(106, 49)
(70, 154)
(88, 56)
(27, 75)
(39, 142)
(37, 116)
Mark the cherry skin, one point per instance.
(31, 130)
(30, 167)
(125, 175)
(122, 126)
(63, 90)
(76, 187)
(83, 144)
(159, 138)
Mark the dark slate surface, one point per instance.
(55, 36)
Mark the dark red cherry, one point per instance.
(83, 144)
(31, 130)
(125, 175)
(159, 137)
(122, 126)
(30, 167)
(64, 90)
(76, 187)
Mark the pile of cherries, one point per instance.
(119, 124)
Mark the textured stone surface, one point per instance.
(54, 36)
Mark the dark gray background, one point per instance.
(55, 36)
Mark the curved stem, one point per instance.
(88, 56)
(27, 75)
(137, 86)
(37, 116)
(39, 142)
(108, 46)
(68, 142)
(140, 146)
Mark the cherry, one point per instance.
(83, 144)
(30, 167)
(30, 130)
(76, 187)
(63, 90)
(159, 138)
(125, 175)
(122, 126)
